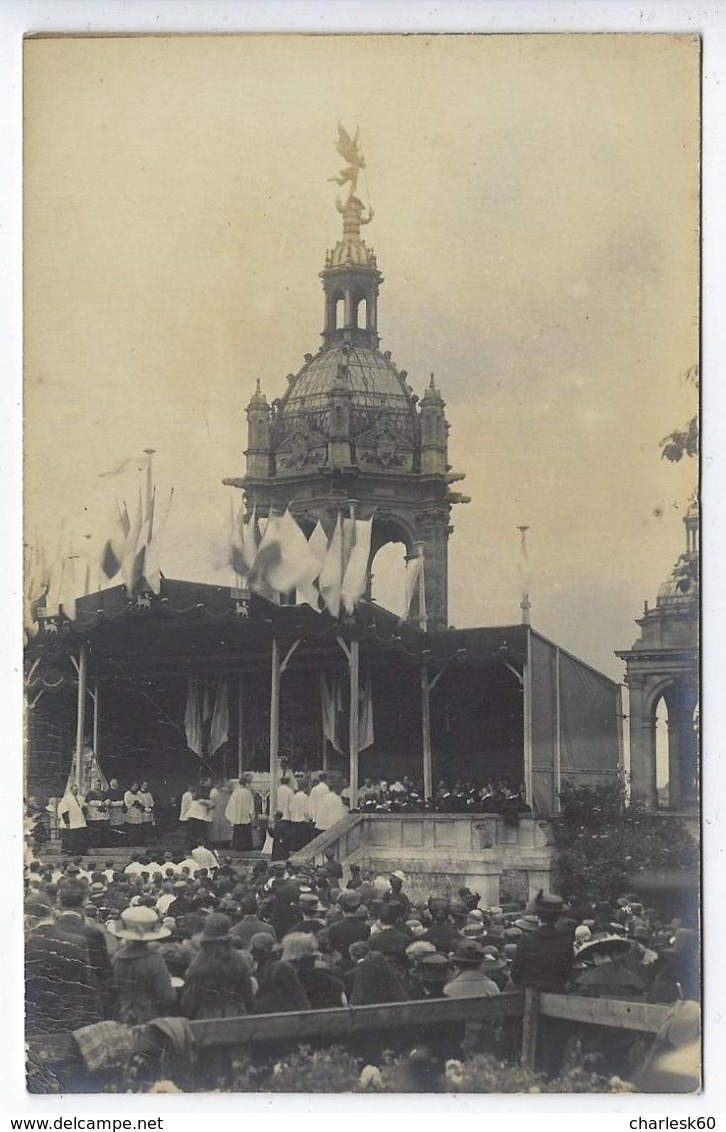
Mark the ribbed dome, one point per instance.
(378, 390)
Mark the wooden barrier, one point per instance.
(344, 1022)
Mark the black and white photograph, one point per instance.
(361, 539)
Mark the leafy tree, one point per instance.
(682, 442)
(603, 840)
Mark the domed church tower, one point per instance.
(349, 434)
(663, 665)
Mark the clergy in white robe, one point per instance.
(300, 819)
(240, 813)
(74, 831)
(331, 809)
(285, 795)
(319, 790)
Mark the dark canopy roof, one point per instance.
(194, 626)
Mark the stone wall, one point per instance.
(443, 852)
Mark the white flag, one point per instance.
(355, 578)
(307, 591)
(331, 575)
(413, 573)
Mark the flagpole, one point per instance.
(240, 725)
(81, 711)
(426, 731)
(96, 700)
(353, 666)
(274, 724)
(149, 491)
(525, 605)
(422, 614)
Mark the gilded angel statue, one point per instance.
(347, 147)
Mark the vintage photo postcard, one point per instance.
(361, 542)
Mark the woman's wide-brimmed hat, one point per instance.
(139, 923)
(527, 923)
(606, 943)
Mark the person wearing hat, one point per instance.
(70, 921)
(250, 924)
(310, 909)
(350, 929)
(442, 932)
(544, 956)
(218, 982)
(394, 936)
(472, 968)
(141, 978)
(395, 892)
(678, 974)
(605, 974)
(279, 988)
(333, 865)
(376, 981)
(61, 992)
(322, 988)
(430, 975)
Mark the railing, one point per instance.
(347, 833)
(264, 1030)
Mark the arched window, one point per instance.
(338, 311)
(360, 313)
(388, 573)
(662, 753)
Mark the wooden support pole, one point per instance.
(426, 732)
(558, 734)
(527, 723)
(274, 725)
(422, 612)
(96, 708)
(240, 725)
(81, 712)
(530, 1020)
(354, 665)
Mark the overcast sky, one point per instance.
(536, 203)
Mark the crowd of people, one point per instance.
(193, 936)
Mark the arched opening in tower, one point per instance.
(388, 577)
(662, 753)
(360, 313)
(338, 311)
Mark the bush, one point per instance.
(603, 841)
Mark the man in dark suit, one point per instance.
(60, 991)
(70, 922)
(543, 960)
(351, 929)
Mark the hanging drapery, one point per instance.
(193, 717)
(206, 719)
(90, 773)
(219, 730)
(366, 737)
(331, 702)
